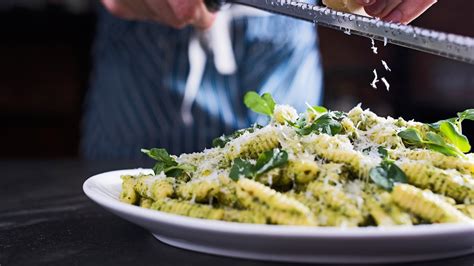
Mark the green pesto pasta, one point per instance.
(450, 183)
(198, 190)
(317, 168)
(129, 194)
(427, 205)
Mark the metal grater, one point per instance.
(448, 45)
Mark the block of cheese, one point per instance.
(350, 6)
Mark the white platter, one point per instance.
(285, 243)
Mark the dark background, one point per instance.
(45, 51)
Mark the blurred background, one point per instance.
(45, 62)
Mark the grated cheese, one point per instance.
(375, 81)
(387, 85)
(385, 65)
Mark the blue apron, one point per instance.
(140, 71)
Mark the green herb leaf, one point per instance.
(325, 124)
(383, 152)
(396, 174)
(262, 105)
(241, 168)
(451, 132)
(466, 115)
(317, 109)
(223, 140)
(267, 97)
(411, 136)
(159, 167)
(434, 138)
(265, 162)
(387, 174)
(167, 164)
(445, 149)
(269, 160)
(178, 170)
(379, 175)
(436, 125)
(160, 155)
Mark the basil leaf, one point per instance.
(466, 115)
(269, 160)
(167, 164)
(451, 132)
(383, 152)
(387, 174)
(223, 140)
(241, 168)
(266, 161)
(437, 124)
(445, 149)
(160, 155)
(435, 139)
(267, 97)
(337, 115)
(254, 102)
(158, 168)
(396, 175)
(326, 124)
(178, 170)
(317, 109)
(411, 136)
(379, 175)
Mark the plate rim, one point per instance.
(258, 229)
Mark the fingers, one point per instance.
(365, 2)
(400, 11)
(407, 11)
(192, 12)
(175, 13)
(117, 9)
(381, 8)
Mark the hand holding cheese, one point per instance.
(402, 11)
(175, 13)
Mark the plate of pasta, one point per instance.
(317, 186)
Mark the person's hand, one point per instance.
(402, 11)
(175, 13)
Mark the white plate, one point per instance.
(285, 243)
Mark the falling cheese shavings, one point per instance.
(375, 81)
(347, 31)
(387, 85)
(374, 48)
(385, 65)
(385, 41)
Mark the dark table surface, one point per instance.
(45, 219)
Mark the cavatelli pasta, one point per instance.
(199, 190)
(154, 187)
(450, 183)
(145, 203)
(317, 168)
(335, 149)
(188, 209)
(302, 171)
(427, 205)
(128, 194)
(273, 215)
(335, 198)
(278, 208)
(250, 145)
(439, 160)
